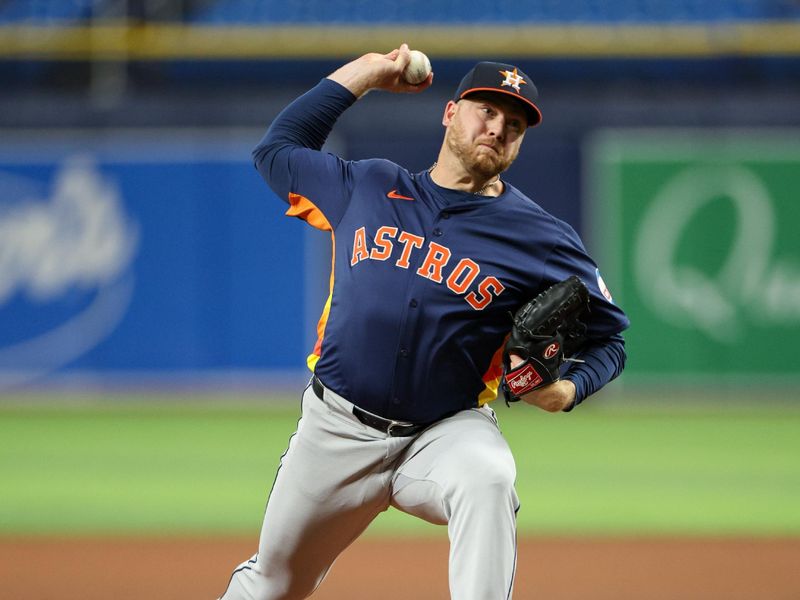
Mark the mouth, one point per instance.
(491, 147)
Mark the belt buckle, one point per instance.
(391, 427)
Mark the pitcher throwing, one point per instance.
(428, 269)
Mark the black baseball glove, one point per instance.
(547, 331)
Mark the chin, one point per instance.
(487, 166)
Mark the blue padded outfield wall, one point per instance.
(155, 254)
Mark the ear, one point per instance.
(449, 111)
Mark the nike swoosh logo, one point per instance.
(396, 196)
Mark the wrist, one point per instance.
(556, 397)
(353, 82)
(569, 391)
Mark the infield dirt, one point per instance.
(407, 569)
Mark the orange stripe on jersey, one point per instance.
(492, 377)
(303, 208)
(314, 357)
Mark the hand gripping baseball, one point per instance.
(547, 331)
(379, 71)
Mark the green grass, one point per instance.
(660, 472)
(147, 468)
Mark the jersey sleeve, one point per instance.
(315, 184)
(569, 257)
(603, 357)
(602, 361)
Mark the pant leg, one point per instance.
(330, 485)
(461, 472)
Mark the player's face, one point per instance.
(485, 132)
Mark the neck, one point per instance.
(459, 179)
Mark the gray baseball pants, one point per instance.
(338, 475)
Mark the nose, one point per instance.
(497, 127)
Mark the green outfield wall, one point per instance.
(698, 237)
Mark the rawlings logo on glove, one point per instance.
(523, 380)
(547, 332)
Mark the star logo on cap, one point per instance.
(512, 79)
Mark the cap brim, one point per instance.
(534, 114)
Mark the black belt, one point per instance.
(387, 426)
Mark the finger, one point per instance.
(396, 52)
(420, 87)
(403, 57)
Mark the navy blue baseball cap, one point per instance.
(502, 79)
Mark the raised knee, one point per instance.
(488, 480)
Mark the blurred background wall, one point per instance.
(139, 247)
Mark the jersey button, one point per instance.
(437, 231)
(404, 352)
(413, 303)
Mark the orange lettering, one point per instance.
(434, 262)
(485, 298)
(359, 247)
(385, 245)
(465, 265)
(411, 241)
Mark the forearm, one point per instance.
(307, 122)
(558, 396)
(602, 362)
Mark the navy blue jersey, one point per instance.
(424, 278)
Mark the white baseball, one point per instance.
(418, 69)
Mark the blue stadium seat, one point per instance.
(43, 12)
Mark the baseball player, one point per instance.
(427, 269)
